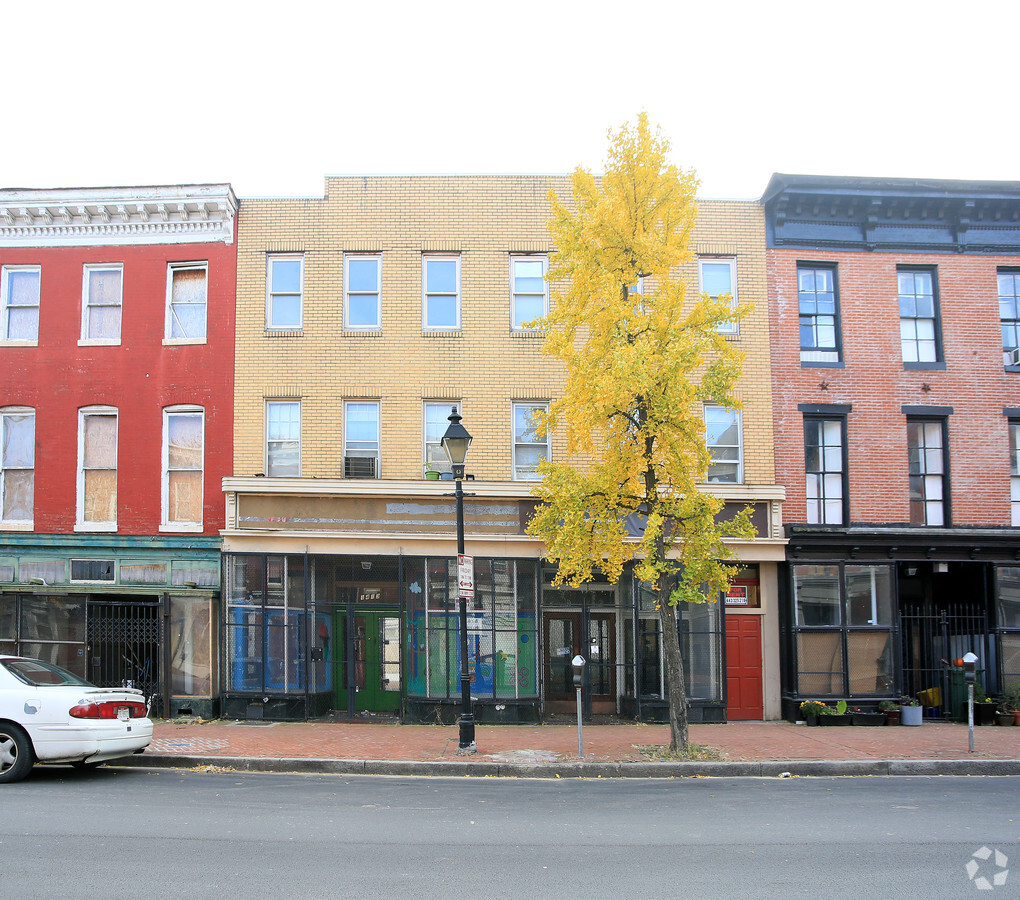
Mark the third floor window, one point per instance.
(919, 317)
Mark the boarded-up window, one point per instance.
(99, 468)
(183, 468)
(186, 316)
(17, 465)
(101, 307)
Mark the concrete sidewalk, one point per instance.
(617, 750)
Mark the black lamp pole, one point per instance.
(455, 442)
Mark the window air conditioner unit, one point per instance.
(1013, 357)
(359, 467)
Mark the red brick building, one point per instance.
(896, 392)
(116, 406)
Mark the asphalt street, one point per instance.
(130, 832)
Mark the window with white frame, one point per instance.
(818, 305)
(102, 296)
(285, 284)
(437, 420)
(919, 320)
(97, 469)
(283, 438)
(929, 489)
(17, 466)
(186, 302)
(362, 294)
(441, 293)
(183, 456)
(19, 286)
(1014, 471)
(361, 439)
(1009, 315)
(529, 296)
(717, 276)
(724, 441)
(824, 469)
(531, 444)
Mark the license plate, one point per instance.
(123, 713)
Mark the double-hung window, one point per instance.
(724, 440)
(928, 471)
(285, 283)
(362, 292)
(97, 469)
(186, 302)
(441, 293)
(437, 420)
(919, 318)
(183, 455)
(1009, 316)
(19, 287)
(530, 299)
(1014, 471)
(818, 304)
(717, 277)
(825, 469)
(361, 439)
(102, 293)
(283, 438)
(531, 444)
(17, 466)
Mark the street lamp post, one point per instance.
(455, 442)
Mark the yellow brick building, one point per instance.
(362, 319)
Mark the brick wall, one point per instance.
(974, 383)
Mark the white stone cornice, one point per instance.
(171, 214)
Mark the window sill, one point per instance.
(183, 528)
(922, 366)
(362, 332)
(527, 333)
(115, 343)
(14, 343)
(97, 527)
(183, 342)
(441, 332)
(1012, 368)
(17, 526)
(284, 332)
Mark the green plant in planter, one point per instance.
(1012, 697)
(888, 705)
(431, 474)
(909, 701)
(811, 708)
(838, 710)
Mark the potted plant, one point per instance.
(1003, 714)
(860, 716)
(834, 715)
(1012, 701)
(911, 711)
(811, 710)
(984, 709)
(430, 473)
(891, 710)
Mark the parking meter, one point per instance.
(969, 661)
(578, 663)
(969, 668)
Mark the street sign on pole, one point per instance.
(466, 577)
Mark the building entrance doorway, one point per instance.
(743, 668)
(122, 643)
(367, 675)
(588, 634)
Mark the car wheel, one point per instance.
(15, 754)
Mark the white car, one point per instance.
(50, 715)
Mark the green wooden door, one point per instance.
(370, 668)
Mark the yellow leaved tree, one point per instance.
(640, 362)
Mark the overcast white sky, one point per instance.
(273, 97)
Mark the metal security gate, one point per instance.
(122, 638)
(933, 635)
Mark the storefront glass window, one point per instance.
(194, 661)
(1008, 578)
(816, 594)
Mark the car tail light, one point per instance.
(109, 709)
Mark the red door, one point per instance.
(743, 668)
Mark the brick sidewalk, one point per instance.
(552, 743)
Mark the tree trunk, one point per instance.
(672, 658)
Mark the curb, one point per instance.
(483, 769)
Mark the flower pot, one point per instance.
(1016, 716)
(911, 715)
(892, 716)
(1004, 718)
(863, 718)
(811, 720)
(835, 720)
(984, 713)
(432, 476)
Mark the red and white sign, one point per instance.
(466, 577)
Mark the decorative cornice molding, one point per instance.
(174, 214)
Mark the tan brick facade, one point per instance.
(485, 364)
